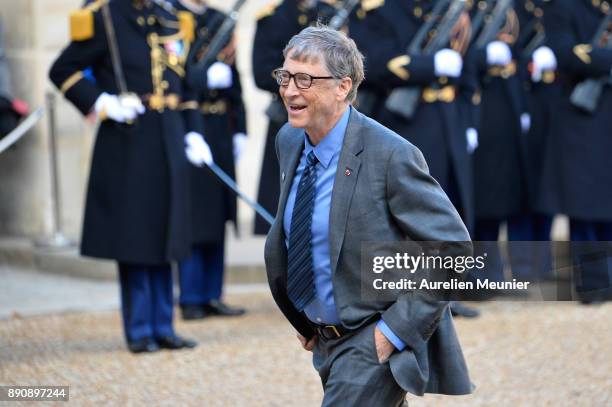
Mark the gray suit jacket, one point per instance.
(388, 196)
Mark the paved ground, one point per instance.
(554, 354)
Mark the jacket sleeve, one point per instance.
(424, 213)
(190, 108)
(66, 73)
(574, 57)
(237, 110)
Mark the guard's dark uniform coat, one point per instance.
(500, 178)
(577, 180)
(223, 113)
(539, 96)
(275, 27)
(137, 208)
(383, 30)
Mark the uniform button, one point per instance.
(140, 20)
(319, 319)
(165, 84)
(151, 20)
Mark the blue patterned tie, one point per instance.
(300, 278)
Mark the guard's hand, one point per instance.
(471, 136)
(219, 76)
(498, 53)
(112, 107)
(197, 150)
(384, 347)
(239, 142)
(307, 344)
(543, 59)
(448, 63)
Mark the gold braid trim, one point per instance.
(71, 81)
(189, 105)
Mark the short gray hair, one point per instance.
(340, 53)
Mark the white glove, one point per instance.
(471, 135)
(498, 53)
(239, 142)
(448, 63)
(113, 107)
(525, 122)
(219, 76)
(197, 150)
(543, 60)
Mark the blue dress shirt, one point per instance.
(322, 309)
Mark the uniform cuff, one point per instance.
(393, 338)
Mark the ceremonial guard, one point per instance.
(212, 204)
(500, 161)
(398, 55)
(384, 30)
(276, 24)
(537, 65)
(137, 206)
(577, 180)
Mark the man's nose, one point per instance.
(291, 89)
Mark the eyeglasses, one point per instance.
(301, 80)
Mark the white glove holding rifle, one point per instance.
(219, 76)
(543, 59)
(498, 53)
(448, 62)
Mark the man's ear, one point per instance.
(344, 87)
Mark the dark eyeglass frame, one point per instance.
(276, 74)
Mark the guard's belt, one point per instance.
(152, 101)
(218, 107)
(446, 94)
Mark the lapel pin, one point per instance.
(347, 172)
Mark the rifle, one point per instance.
(197, 68)
(342, 14)
(478, 19)
(586, 94)
(494, 23)
(404, 101)
(538, 38)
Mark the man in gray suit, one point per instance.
(345, 179)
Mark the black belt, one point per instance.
(331, 331)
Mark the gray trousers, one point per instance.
(351, 374)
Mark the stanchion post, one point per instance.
(57, 239)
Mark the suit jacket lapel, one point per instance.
(344, 185)
(291, 153)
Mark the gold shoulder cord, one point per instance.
(156, 102)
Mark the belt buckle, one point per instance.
(333, 327)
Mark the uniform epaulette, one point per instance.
(267, 10)
(82, 21)
(367, 5)
(186, 25)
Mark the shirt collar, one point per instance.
(331, 143)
